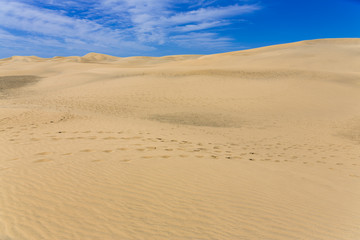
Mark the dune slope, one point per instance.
(255, 144)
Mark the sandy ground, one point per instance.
(256, 144)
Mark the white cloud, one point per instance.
(131, 26)
(200, 26)
(155, 20)
(203, 40)
(15, 15)
(4, 35)
(38, 23)
(210, 13)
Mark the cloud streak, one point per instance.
(155, 21)
(122, 26)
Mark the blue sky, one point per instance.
(48, 28)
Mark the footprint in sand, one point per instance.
(353, 175)
(122, 149)
(86, 150)
(42, 160)
(109, 138)
(125, 160)
(43, 153)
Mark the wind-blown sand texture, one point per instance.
(255, 144)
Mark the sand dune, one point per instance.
(255, 144)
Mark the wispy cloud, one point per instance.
(200, 26)
(211, 13)
(122, 26)
(203, 40)
(155, 20)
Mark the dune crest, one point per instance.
(98, 58)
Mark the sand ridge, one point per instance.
(255, 144)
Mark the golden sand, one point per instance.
(256, 144)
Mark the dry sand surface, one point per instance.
(256, 144)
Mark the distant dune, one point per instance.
(255, 144)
